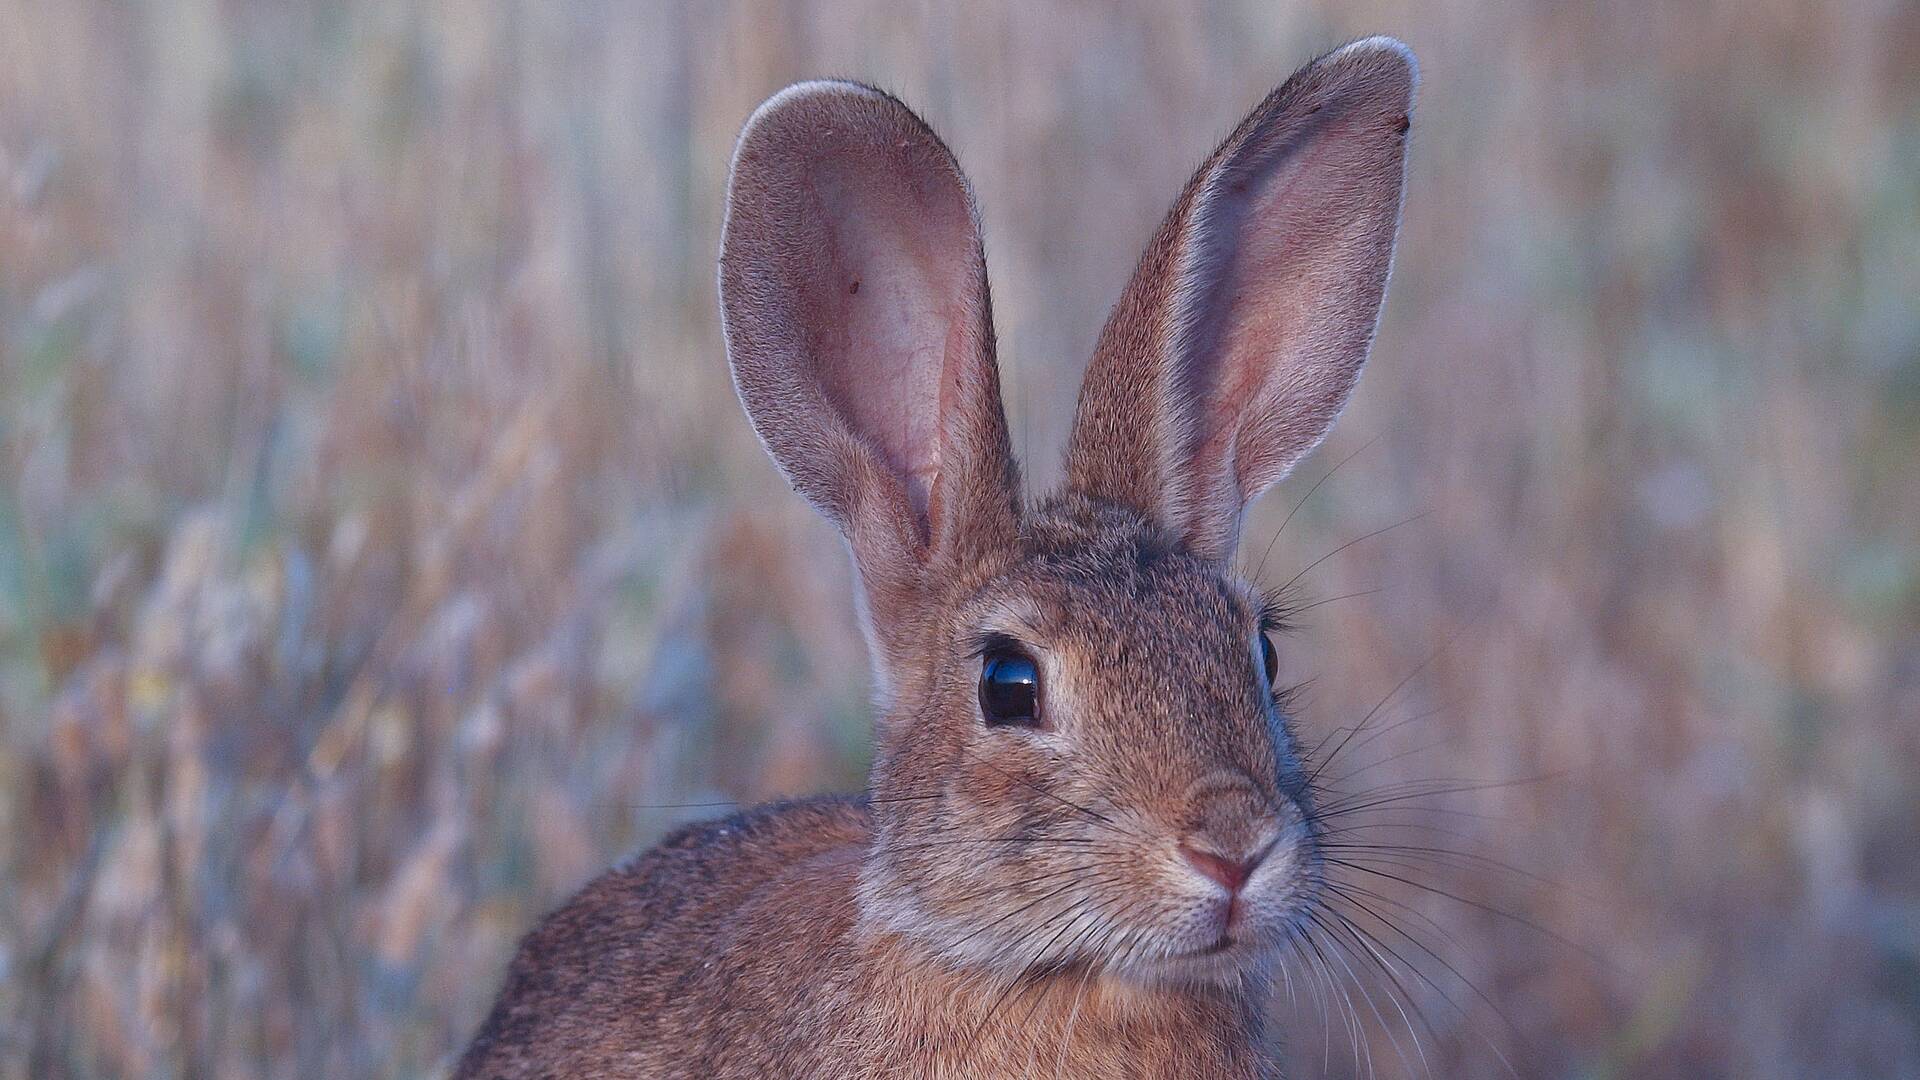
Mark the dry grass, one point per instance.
(382, 552)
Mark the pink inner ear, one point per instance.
(1275, 356)
(899, 263)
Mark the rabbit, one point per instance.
(1088, 833)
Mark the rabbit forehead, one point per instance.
(1104, 581)
(1152, 650)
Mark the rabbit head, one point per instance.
(1081, 759)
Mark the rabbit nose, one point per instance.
(1231, 873)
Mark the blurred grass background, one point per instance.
(382, 551)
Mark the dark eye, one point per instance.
(1268, 657)
(1009, 689)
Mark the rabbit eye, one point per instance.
(1009, 689)
(1269, 657)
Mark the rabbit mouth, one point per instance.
(1245, 938)
(1226, 959)
(1223, 944)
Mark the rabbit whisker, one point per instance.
(1342, 951)
(1285, 521)
(1420, 945)
(1365, 536)
(1070, 804)
(1376, 947)
(1035, 880)
(873, 800)
(1477, 905)
(1355, 928)
(1357, 894)
(724, 803)
(1343, 801)
(1073, 1018)
(1021, 910)
(1425, 714)
(1442, 856)
(1291, 611)
(1036, 969)
(1314, 776)
(1419, 789)
(982, 840)
(1349, 1017)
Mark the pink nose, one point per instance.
(1231, 873)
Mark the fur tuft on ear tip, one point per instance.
(809, 88)
(1379, 47)
(1380, 70)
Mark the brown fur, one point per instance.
(1006, 901)
(629, 978)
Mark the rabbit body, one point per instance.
(755, 918)
(1089, 836)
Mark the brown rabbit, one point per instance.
(1088, 835)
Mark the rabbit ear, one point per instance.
(854, 297)
(1242, 332)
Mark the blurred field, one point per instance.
(382, 551)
